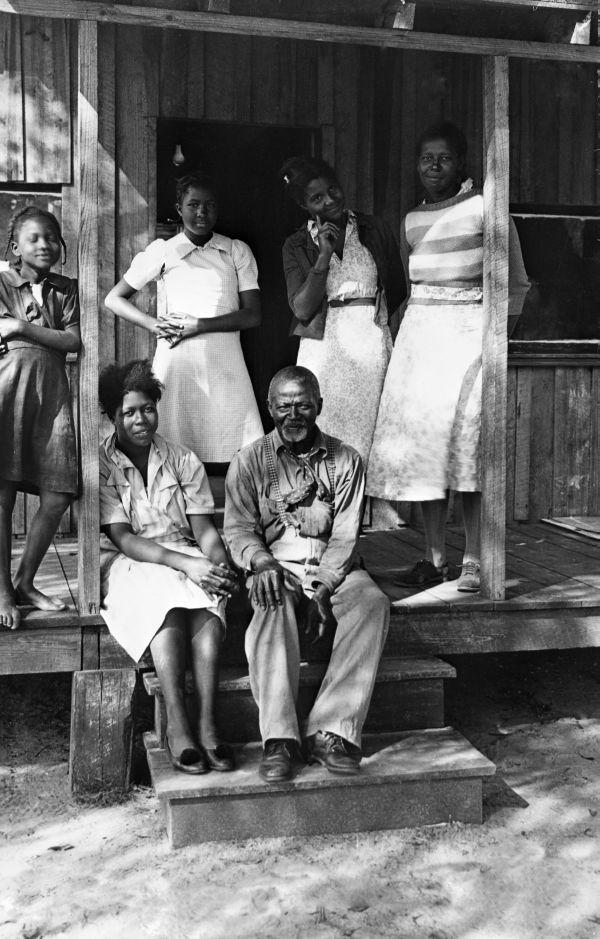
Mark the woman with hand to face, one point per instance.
(427, 439)
(344, 281)
(211, 288)
(165, 573)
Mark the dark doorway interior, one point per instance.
(244, 160)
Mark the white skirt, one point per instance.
(208, 404)
(136, 597)
(350, 362)
(427, 438)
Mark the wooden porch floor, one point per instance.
(552, 601)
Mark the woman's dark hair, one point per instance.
(297, 172)
(30, 212)
(198, 180)
(444, 130)
(118, 380)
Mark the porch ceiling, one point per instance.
(166, 16)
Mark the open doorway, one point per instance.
(244, 160)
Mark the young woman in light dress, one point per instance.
(211, 289)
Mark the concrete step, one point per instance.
(406, 780)
(408, 695)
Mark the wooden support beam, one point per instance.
(101, 730)
(165, 18)
(583, 5)
(495, 318)
(88, 568)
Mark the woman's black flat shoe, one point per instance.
(220, 758)
(190, 760)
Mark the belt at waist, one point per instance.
(354, 301)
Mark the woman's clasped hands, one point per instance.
(175, 327)
(217, 579)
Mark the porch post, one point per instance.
(495, 318)
(87, 250)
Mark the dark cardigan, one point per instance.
(300, 253)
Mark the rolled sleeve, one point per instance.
(245, 266)
(70, 313)
(242, 527)
(112, 511)
(147, 265)
(195, 485)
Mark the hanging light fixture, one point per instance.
(178, 157)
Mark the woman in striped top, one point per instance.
(427, 437)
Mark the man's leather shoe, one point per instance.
(334, 753)
(277, 764)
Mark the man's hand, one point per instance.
(268, 583)
(319, 615)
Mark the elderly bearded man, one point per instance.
(293, 508)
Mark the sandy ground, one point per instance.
(532, 868)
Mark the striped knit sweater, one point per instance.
(445, 241)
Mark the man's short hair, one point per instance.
(295, 373)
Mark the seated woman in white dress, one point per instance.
(165, 573)
(210, 283)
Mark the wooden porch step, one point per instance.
(408, 695)
(406, 780)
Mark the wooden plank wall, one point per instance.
(553, 440)
(35, 100)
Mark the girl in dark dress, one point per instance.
(39, 325)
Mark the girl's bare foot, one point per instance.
(31, 596)
(10, 617)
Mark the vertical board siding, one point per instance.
(307, 84)
(107, 186)
(346, 96)
(195, 76)
(578, 433)
(35, 100)
(522, 468)
(12, 143)
(136, 100)
(553, 129)
(553, 441)
(541, 465)
(511, 430)
(46, 100)
(219, 80)
(594, 506)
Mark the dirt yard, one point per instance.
(532, 868)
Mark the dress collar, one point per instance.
(16, 279)
(182, 245)
(157, 446)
